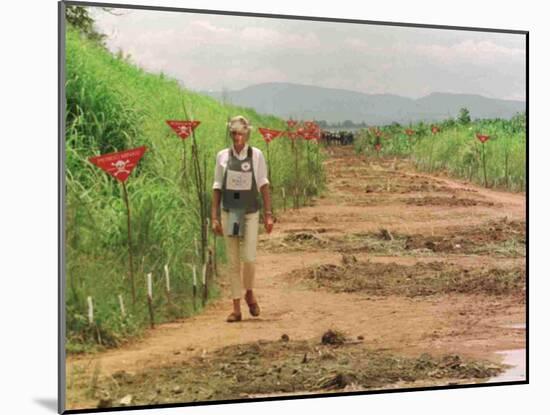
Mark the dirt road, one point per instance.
(399, 262)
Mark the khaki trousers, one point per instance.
(241, 253)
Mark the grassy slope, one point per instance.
(114, 105)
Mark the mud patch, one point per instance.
(447, 201)
(421, 279)
(277, 367)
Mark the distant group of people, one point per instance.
(337, 137)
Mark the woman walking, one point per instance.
(240, 176)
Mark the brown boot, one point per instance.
(234, 317)
(253, 307)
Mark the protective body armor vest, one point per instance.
(239, 189)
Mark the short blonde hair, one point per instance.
(239, 124)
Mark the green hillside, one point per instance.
(113, 105)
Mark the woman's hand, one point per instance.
(217, 227)
(268, 222)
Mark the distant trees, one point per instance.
(464, 116)
(79, 18)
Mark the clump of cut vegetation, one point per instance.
(418, 280)
(275, 367)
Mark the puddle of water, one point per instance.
(517, 359)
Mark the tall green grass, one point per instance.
(456, 150)
(114, 105)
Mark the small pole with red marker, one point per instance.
(483, 139)
(269, 135)
(120, 165)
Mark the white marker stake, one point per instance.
(196, 247)
(121, 302)
(283, 190)
(194, 275)
(167, 274)
(90, 311)
(204, 287)
(150, 298)
(150, 285)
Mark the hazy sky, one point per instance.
(211, 52)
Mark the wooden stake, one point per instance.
(204, 233)
(196, 248)
(484, 165)
(184, 165)
(150, 285)
(194, 287)
(130, 259)
(204, 285)
(214, 258)
(200, 185)
(296, 173)
(207, 228)
(268, 163)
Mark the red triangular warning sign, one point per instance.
(269, 134)
(310, 125)
(183, 128)
(291, 123)
(482, 138)
(310, 131)
(120, 164)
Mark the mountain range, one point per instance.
(336, 105)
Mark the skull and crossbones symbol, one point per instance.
(120, 166)
(183, 129)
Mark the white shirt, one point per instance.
(258, 165)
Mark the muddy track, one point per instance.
(364, 195)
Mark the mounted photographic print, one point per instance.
(258, 207)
